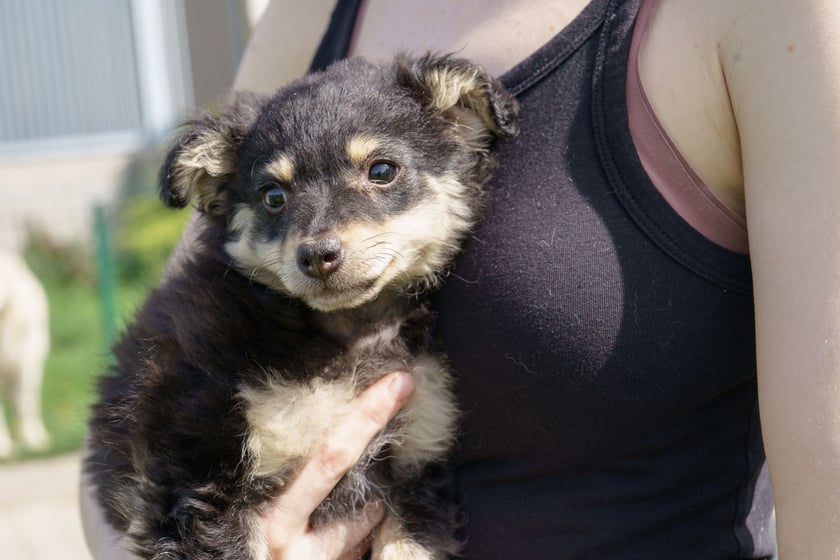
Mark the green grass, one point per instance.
(76, 357)
(142, 237)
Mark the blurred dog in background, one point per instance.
(24, 343)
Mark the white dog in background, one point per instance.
(24, 343)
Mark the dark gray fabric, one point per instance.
(339, 33)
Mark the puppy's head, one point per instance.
(349, 181)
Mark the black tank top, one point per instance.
(603, 349)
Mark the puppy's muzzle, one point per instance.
(320, 258)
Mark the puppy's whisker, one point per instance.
(276, 254)
(393, 253)
(378, 258)
(278, 261)
(385, 234)
(374, 236)
(378, 244)
(271, 258)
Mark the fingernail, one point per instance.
(401, 386)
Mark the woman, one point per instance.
(607, 323)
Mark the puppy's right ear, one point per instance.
(462, 93)
(202, 160)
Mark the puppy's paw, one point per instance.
(405, 550)
(393, 542)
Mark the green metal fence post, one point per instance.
(105, 274)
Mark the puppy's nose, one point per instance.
(320, 258)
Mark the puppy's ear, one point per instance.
(463, 93)
(203, 158)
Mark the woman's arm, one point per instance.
(782, 64)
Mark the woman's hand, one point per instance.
(286, 525)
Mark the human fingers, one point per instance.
(343, 540)
(351, 539)
(342, 447)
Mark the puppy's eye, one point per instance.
(274, 198)
(382, 173)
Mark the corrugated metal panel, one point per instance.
(67, 69)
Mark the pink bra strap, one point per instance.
(669, 171)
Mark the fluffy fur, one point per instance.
(325, 210)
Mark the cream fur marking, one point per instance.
(449, 86)
(392, 542)
(287, 422)
(209, 154)
(361, 148)
(465, 95)
(243, 217)
(282, 167)
(252, 259)
(200, 169)
(257, 541)
(429, 417)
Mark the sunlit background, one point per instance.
(89, 93)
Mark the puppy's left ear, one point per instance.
(202, 160)
(463, 93)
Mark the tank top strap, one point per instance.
(554, 53)
(338, 35)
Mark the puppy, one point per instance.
(326, 211)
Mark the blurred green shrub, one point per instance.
(145, 235)
(58, 263)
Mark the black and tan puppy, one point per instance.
(326, 210)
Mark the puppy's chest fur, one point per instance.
(288, 415)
